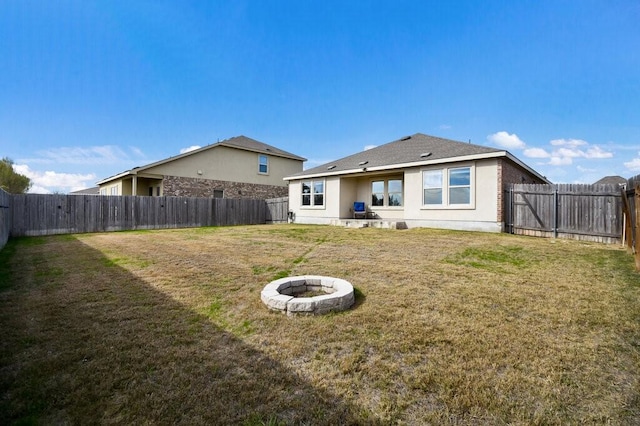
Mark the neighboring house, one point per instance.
(612, 180)
(95, 190)
(421, 180)
(238, 167)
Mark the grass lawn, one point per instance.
(167, 327)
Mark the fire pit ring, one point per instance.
(280, 295)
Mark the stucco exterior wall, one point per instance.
(230, 165)
(194, 187)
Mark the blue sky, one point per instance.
(92, 88)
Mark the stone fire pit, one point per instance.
(281, 295)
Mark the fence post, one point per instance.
(511, 212)
(636, 253)
(555, 211)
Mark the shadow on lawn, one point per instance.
(85, 341)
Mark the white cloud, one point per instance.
(506, 140)
(568, 152)
(190, 148)
(368, 147)
(597, 152)
(445, 127)
(560, 161)
(568, 142)
(536, 153)
(49, 181)
(633, 165)
(105, 154)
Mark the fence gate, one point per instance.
(585, 212)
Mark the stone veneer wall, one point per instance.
(510, 173)
(193, 187)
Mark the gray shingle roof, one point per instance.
(402, 151)
(244, 142)
(615, 180)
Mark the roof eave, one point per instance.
(118, 176)
(462, 158)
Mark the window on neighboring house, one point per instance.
(263, 164)
(447, 187)
(377, 193)
(395, 192)
(103, 191)
(114, 190)
(218, 193)
(158, 191)
(151, 191)
(313, 193)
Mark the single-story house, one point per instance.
(416, 181)
(611, 180)
(239, 167)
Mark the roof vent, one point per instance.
(405, 138)
(425, 154)
(362, 163)
(331, 167)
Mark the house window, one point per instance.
(377, 193)
(432, 187)
(313, 193)
(263, 164)
(151, 191)
(460, 185)
(218, 193)
(114, 190)
(390, 190)
(395, 192)
(103, 191)
(447, 187)
(158, 191)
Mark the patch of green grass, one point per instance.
(257, 420)
(494, 259)
(125, 261)
(259, 270)
(281, 274)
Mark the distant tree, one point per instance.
(10, 180)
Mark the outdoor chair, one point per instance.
(359, 209)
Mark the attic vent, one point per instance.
(425, 154)
(405, 138)
(267, 149)
(331, 167)
(362, 163)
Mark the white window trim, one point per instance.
(312, 206)
(445, 188)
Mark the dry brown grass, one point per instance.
(449, 328)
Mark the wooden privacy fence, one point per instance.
(5, 217)
(585, 212)
(277, 210)
(39, 214)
